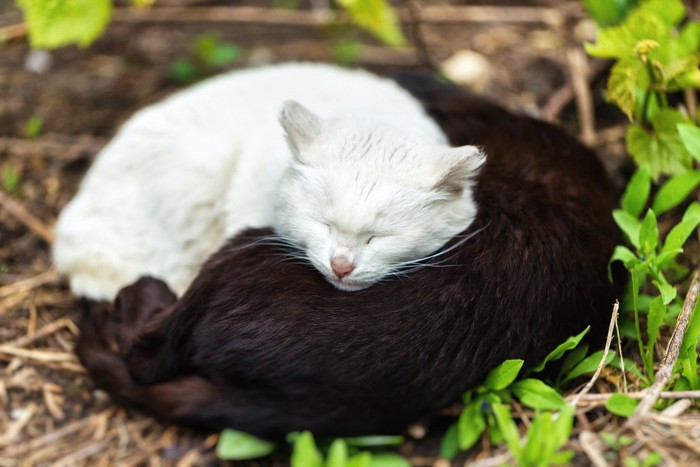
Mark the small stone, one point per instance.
(38, 61)
(467, 68)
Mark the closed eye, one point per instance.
(369, 240)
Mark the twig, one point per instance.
(43, 332)
(490, 14)
(677, 408)
(589, 385)
(262, 15)
(55, 146)
(25, 217)
(53, 436)
(691, 102)
(414, 14)
(565, 94)
(622, 358)
(227, 14)
(589, 443)
(29, 284)
(578, 70)
(42, 355)
(663, 375)
(637, 395)
(13, 31)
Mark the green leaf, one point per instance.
(680, 233)
(626, 76)
(637, 191)
(688, 42)
(11, 179)
(661, 149)
(53, 23)
(589, 364)
(471, 424)
(630, 366)
(225, 54)
(504, 374)
(237, 445)
(562, 348)
(690, 135)
(377, 17)
(676, 190)
(388, 459)
(374, 440)
(573, 358)
(623, 254)
(183, 70)
(337, 454)
(668, 292)
(508, 428)
(563, 425)
(608, 12)
(620, 41)
(692, 332)
(449, 447)
(621, 405)
(305, 453)
(629, 224)
(537, 395)
(33, 127)
(346, 52)
(649, 234)
(655, 319)
(539, 445)
(668, 11)
(361, 459)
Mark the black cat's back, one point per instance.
(278, 349)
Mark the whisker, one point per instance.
(416, 264)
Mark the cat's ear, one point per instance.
(302, 127)
(458, 168)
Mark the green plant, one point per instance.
(500, 386)
(342, 452)
(208, 55)
(33, 127)
(656, 55)
(11, 179)
(544, 440)
(377, 17)
(52, 24)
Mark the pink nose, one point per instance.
(342, 266)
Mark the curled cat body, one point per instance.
(269, 347)
(363, 185)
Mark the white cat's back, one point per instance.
(153, 201)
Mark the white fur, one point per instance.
(183, 175)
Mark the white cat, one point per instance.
(364, 191)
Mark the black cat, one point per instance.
(268, 346)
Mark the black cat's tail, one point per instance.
(106, 329)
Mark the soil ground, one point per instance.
(52, 413)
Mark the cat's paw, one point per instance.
(138, 310)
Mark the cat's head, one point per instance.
(366, 200)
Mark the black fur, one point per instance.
(267, 346)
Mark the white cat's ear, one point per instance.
(302, 127)
(458, 168)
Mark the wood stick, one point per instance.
(663, 375)
(43, 332)
(578, 70)
(608, 340)
(638, 395)
(262, 15)
(19, 212)
(29, 284)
